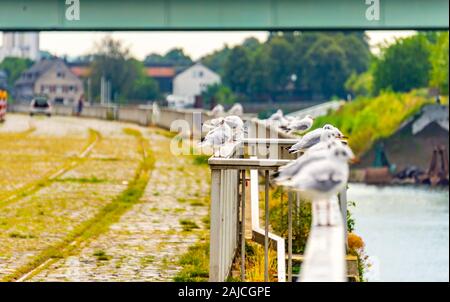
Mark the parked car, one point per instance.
(40, 105)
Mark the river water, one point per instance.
(405, 230)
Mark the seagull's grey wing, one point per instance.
(327, 180)
(292, 169)
(311, 141)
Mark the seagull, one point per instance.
(299, 125)
(312, 138)
(326, 143)
(335, 130)
(277, 116)
(237, 109)
(218, 136)
(321, 175)
(278, 119)
(218, 110)
(233, 121)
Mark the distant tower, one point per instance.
(20, 44)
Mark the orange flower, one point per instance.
(355, 242)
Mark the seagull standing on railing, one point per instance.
(312, 138)
(233, 121)
(218, 110)
(337, 132)
(299, 125)
(236, 109)
(218, 137)
(321, 174)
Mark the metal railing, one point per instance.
(324, 258)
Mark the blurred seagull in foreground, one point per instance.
(321, 175)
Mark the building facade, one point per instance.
(193, 81)
(50, 77)
(21, 45)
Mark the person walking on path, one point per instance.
(80, 105)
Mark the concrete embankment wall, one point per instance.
(185, 121)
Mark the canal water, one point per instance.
(405, 230)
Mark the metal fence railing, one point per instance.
(253, 159)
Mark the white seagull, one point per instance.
(312, 138)
(299, 125)
(218, 136)
(237, 109)
(218, 110)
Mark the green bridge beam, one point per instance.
(222, 14)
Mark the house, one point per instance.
(20, 45)
(163, 74)
(52, 78)
(413, 143)
(192, 81)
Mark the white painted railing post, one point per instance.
(215, 227)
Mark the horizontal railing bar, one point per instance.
(268, 141)
(246, 163)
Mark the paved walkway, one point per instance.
(146, 242)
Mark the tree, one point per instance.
(145, 88)
(178, 57)
(113, 62)
(174, 57)
(403, 66)
(280, 62)
(237, 70)
(326, 67)
(439, 63)
(360, 84)
(218, 93)
(14, 68)
(216, 61)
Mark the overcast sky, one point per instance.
(195, 44)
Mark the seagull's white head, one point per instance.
(327, 135)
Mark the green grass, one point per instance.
(366, 120)
(82, 180)
(20, 235)
(195, 263)
(200, 160)
(188, 225)
(101, 255)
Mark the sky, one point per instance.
(195, 44)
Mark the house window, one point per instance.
(52, 88)
(198, 74)
(60, 74)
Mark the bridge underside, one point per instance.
(224, 15)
